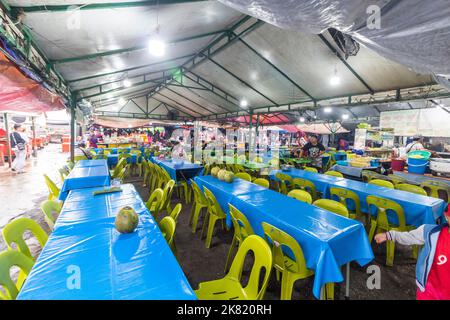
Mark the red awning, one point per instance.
(20, 93)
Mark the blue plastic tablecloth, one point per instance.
(328, 240)
(351, 171)
(111, 265)
(89, 163)
(188, 170)
(113, 159)
(321, 181)
(224, 191)
(85, 177)
(418, 209)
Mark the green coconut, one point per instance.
(215, 171)
(221, 174)
(126, 220)
(228, 177)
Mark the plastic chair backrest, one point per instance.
(168, 190)
(258, 160)
(14, 231)
(262, 260)
(437, 189)
(382, 183)
(411, 188)
(50, 208)
(300, 195)
(52, 187)
(285, 181)
(213, 205)
(121, 175)
(155, 198)
(168, 226)
(62, 173)
(333, 206)
(368, 175)
(242, 228)
(9, 259)
(344, 195)
(382, 206)
(262, 182)
(279, 239)
(274, 162)
(70, 165)
(176, 212)
(303, 184)
(396, 180)
(239, 168)
(198, 194)
(334, 174)
(244, 176)
(309, 169)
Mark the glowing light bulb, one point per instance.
(157, 47)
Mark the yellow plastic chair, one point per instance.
(334, 174)
(176, 212)
(117, 170)
(349, 199)
(411, 188)
(51, 210)
(62, 173)
(239, 168)
(168, 190)
(333, 206)
(368, 175)
(437, 189)
(290, 270)
(13, 233)
(300, 195)
(244, 176)
(8, 260)
(262, 182)
(214, 213)
(396, 180)
(242, 229)
(380, 222)
(70, 165)
(258, 160)
(230, 287)
(168, 227)
(52, 188)
(382, 183)
(303, 184)
(200, 202)
(285, 182)
(309, 169)
(154, 202)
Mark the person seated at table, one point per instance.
(177, 150)
(313, 150)
(433, 264)
(80, 151)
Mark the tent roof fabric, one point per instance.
(247, 59)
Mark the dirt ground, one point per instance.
(201, 264)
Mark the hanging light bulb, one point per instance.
(302, 119)
(345, 116)
(126, 83)
(244, 103)
(327, 110)
(157, 47)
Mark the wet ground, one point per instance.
(21, 195)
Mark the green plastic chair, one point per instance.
(380, 222)
(411, 188)
(168, 190)
(258, 160)
(239, 168)
(300, 195)
(334, 174)
(13, 233)
(290, 270)
(333, 206)
(309, 169)
(244, 176)
(200, 202)
(52, 188)
(382, 183)
(176, 212)
(437, 189)
(154, 202)
(262, 182)
(285, 182)
(242, 229)
(117, 170)
(230, 287)
(214, 213)
(396, 180)
(62, 173)
(70, 165)
(9, 259)
(368, 175)
(168, 226)
(51, 210)
(346, 197)
(304, 184)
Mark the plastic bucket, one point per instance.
(398, 165)
(418, 166)
(342, 163)
(374, 163)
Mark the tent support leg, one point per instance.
(8, 142)
(72, 127)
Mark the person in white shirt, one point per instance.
(19, 140)
(178, 151)
(415, 145)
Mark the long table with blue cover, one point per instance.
(93, 173)
(419, 178)
(418, 209)
(179, 169)
(110, 265)
(328, 240)
(351, 171)
(321, 181)
(113, 159)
